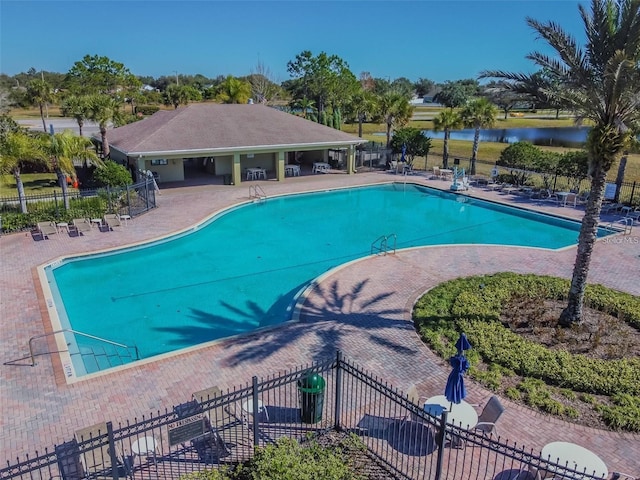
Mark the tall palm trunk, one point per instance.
(474, 153)
(44, 124)
(105, 143)
(586, 241)
(62, 180)
(20, 186)
(360, 120)
(445, 150)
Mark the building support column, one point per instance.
(236, 171)
(280, 156)
(351, 159)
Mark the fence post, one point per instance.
(55, 202)
(338, 400)
(633, 191)
(440, 439)
(112, 451)
(129, 201)
(254, 392)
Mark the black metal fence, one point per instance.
(214, 428)
(131, 200)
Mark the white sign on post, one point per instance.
(610, 191)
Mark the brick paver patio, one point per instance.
(363, 309)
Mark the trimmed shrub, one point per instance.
(474, 305)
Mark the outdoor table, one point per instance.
(62, 225)
(446, 173)
(97, 222)
(321, 167)
(575, 457)
(256, 173)
(144, 447)
(292, 170)
(125, 218)
(460, 414)
(562, 196)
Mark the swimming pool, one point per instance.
(242, 269)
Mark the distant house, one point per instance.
(225, 140)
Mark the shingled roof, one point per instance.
(215, 127)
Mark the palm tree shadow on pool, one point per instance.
(329, 321)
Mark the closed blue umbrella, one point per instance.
(404, 151)
(462, 344)
(455, 391)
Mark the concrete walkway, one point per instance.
(363, 309)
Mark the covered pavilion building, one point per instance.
(225, 140)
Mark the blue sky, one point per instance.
(440, 40)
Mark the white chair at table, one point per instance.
(414, 397)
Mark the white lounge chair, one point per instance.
(112, 220)
(80, 225)
(45, 229)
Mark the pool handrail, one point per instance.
(31, 354)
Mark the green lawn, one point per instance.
(488, 151)
(34, 183)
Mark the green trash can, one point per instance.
(311, 391)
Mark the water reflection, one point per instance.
(556, 137)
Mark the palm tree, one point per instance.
(63, 148)
(40, 93)
(103, 110)
(17, 148)
(479, 113)
(395, 110)
(446, 121)
(77, 107)
(362, 104)
(306, 105)
(599, 83)
(233, 90)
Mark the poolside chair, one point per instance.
(611, 207)
(414, 397)
(229, 426)
(582, 198)
(80, 225)
(436, 173)
(633, 214)
(489, 416)
(93, 445)
(571, 199)
(112, 220)
(209, 446)
(45, 229)
(68, 457)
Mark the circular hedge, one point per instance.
(475, 305)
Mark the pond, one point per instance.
(557, 137)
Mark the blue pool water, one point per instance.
(242, 270)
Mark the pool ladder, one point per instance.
(127, 348)
(624, 225)
(382, 245)
(255, 191)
